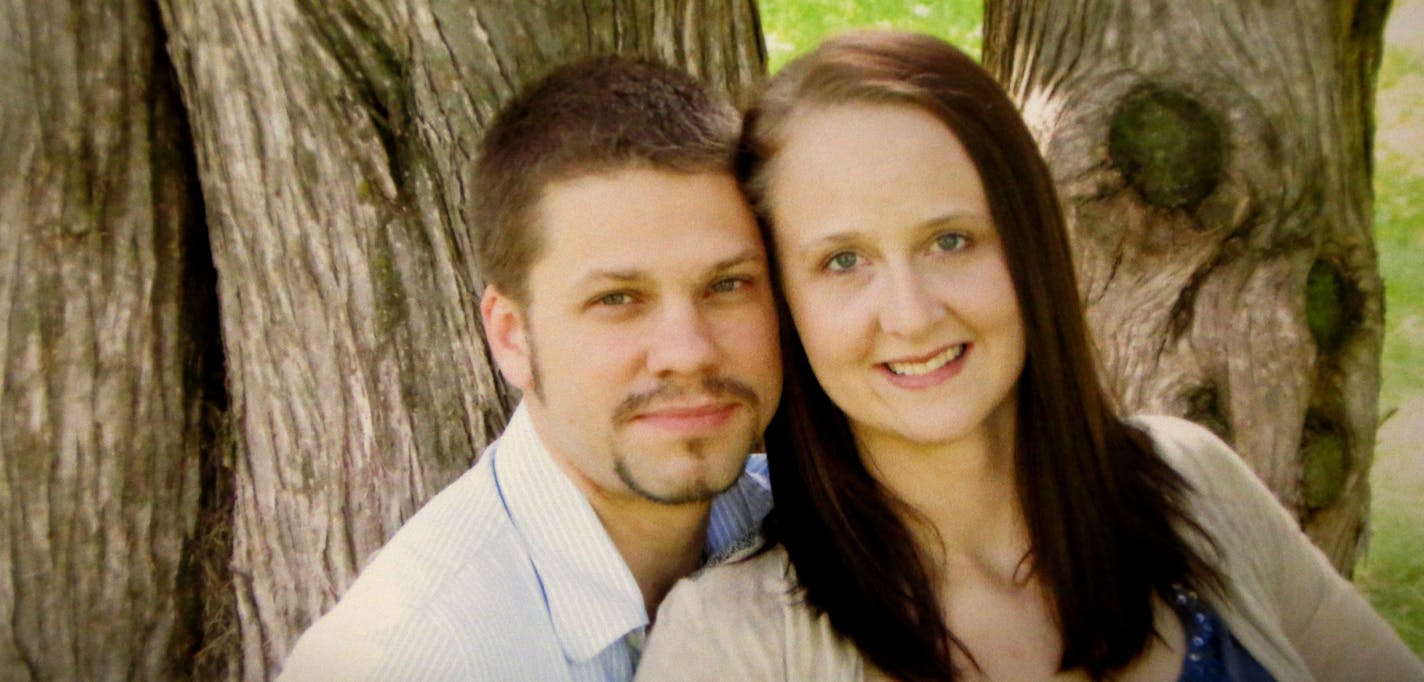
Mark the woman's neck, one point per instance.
(967, 513)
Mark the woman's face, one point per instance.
(894, 273)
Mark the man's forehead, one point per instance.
(635, 223)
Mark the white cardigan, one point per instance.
(1283, 600)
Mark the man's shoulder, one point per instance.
(401, 620)
(457, 522)
(429, 599)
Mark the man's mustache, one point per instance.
(712, 387)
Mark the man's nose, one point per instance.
(683, 342)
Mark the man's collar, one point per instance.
(592, 597)
(735, 521)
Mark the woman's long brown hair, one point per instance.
(1104, 512)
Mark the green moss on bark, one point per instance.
(1167, 145)
(1327, 305)
(1325, 460)
(390, 289)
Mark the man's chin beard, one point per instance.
(700, 492)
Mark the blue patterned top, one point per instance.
(1213, 654)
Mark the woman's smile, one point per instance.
(930, 363)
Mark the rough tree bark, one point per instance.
(1214, 159)
(333, 143)
(108, 379)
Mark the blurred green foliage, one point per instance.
(1392, 574)
(1399, 239)
(795, 26)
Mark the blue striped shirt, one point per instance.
(507, 574)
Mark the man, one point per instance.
(628, 297)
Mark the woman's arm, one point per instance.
(1275, 572)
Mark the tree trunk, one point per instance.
(108, 377)
(334, 141)
(1214, 161)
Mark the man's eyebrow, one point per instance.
(750, 255)
(627, 275)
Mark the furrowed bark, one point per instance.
(334, 142)
(110, 391)
(1214, 160)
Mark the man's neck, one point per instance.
(660, 543)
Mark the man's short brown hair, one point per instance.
(593, 115)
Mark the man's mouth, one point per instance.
(689, 418)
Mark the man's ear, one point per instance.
(506, 331)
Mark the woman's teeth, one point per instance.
(917, 368)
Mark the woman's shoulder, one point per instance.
(1174, 433)
(1198, 454)
(759, 577)
(742, 619)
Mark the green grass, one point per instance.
(1399, 238)
(1393, 574)
(1399, 224)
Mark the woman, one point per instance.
(955, 496)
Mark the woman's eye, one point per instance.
(951, 241)
(842, 261)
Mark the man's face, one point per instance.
(648, 347)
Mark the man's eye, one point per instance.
(840, 262)
(615, 299)
(728, 285)
(951, 241)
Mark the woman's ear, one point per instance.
(508, 338)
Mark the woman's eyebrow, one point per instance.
(955, 218)
(823, 241)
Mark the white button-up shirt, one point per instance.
(507, 574)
